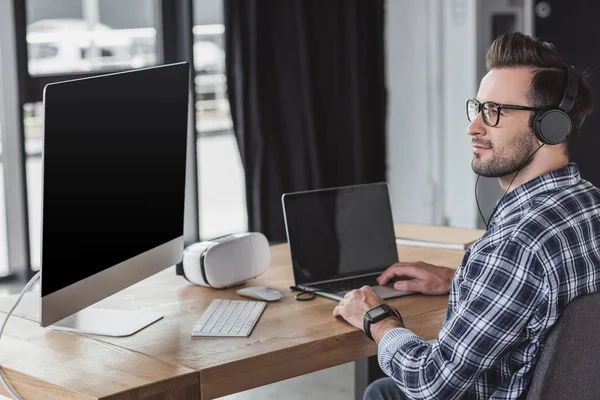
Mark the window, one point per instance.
(38, 51)
(72, 36)
(66, 37)
(222, 192)
(3, 238)
(69, 36)
(33, 149)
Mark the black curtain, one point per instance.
(307, 93)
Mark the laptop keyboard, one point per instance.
(347, 284)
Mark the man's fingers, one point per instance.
(336, 311)
(396, 270)
(387, 276)
(409, 286)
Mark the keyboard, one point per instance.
(229, 318)
(347, 284)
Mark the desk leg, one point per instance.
(366, 371)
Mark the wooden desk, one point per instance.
(290, 339)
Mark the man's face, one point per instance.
(502, 150)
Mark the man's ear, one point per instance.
(537, 140)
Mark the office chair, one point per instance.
(569, 366)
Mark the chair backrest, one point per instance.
(569, 366)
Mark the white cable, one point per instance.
(25, 289)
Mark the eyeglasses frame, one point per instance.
(499, 106)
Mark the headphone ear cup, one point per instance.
(535, 125)
(552, 126)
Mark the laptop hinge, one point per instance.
(340, 279)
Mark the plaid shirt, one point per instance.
(541, 251)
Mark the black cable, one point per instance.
(505, 192)
(305, 294)
(477, 201)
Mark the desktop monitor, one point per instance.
(114, 162)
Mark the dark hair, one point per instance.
(514, 50)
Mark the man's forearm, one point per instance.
(379, 329)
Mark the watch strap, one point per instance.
(367, 322)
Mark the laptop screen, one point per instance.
(341, 232)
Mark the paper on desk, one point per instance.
(442, 237)
(437, 245)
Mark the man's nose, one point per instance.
(477, 127)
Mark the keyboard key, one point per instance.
(229, 318)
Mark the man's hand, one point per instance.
(356, 303)
(354, 306)
(422, 278)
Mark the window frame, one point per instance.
(174, 44)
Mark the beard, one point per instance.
(507, 160)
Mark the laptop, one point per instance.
(341, 239)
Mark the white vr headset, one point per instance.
(227, 260)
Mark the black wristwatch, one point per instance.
(377, 314)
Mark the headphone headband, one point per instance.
(571, 91)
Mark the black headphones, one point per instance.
(552, 126)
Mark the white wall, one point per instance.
(460, 83)
(435, 59)
(430, 51)
(489, 189)
(411, 176)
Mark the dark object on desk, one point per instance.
(341, 239)
(305, 294)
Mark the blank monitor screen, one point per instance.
(340, 232)
(114, 153)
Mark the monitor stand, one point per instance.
(100, 321)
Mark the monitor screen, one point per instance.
(340, 232)
(113, 170)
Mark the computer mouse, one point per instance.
(260, 293)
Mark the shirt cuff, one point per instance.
(390, 345)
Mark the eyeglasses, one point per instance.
(491, 111)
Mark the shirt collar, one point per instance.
(560, 178)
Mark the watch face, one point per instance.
(373, 314)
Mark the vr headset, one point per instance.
(226, 261)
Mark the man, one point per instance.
(540, 251)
